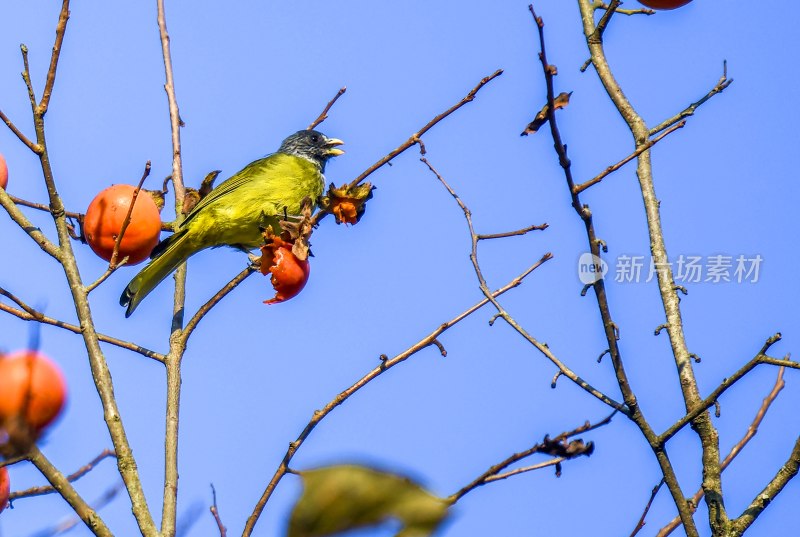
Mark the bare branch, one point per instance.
(69, 522)
(386, 364)
(585, 214)
(61, 28)
(566, 371)
(523, 231)
(42, 207)
(9, 461)
(33, 232)
(86, 513)
(505, 475)
(593, 35)
(26, 77)
(177, 344)
(223, 531)
(557, 446)
(415, 138)
(324, 115)
(736, 449)
(174, 112)
(22, 138)
(439, 346)
(786, 473)
(113, 265)
(79, 473)
(721, 85)
(639, 150)
(598, 4)
(37, 316)
(29, 310)
(604, 20)
(112, 268)
(760, 358)
(126, 222)
(642, 522)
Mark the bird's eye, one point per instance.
(314, 138)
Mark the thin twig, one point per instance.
(785, 473)
(41, 318)
(385, 365)
(639, 150)
(604, 20)
(324, 115)
(51, 71)
(26, 77)
(439, 346)
(86, 513)
(494, 473)
(22, 138)
(42, 207)
(111, 269)
(760, 358)
(642, 519)
(597, 4)
(70, 522)
(720, 86)
(415, 138)
(505, 475)
(13, 460)
(523, 231)
(126, 222)
(33, 232)
(79, 473)
(566, 371)
(29, 310)
(223, 531)
(112, 263)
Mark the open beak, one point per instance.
(331, 144)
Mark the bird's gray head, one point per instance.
(313, 146)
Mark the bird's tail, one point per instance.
(166, 257)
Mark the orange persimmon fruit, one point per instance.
(3, 172)
(104, 219)
(288, 273)
(32, 389)
(5, 488)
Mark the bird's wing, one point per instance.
(231, 184)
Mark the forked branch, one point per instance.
(386, 364)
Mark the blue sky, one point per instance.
(251, 73)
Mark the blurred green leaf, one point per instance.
(344, 497)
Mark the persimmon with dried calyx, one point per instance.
(5, 488)
(664, 4)
(287, 264)
(3, 172)
(346, 203)
(106, 215)
(32, 390)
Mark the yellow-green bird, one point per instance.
(233, 213)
